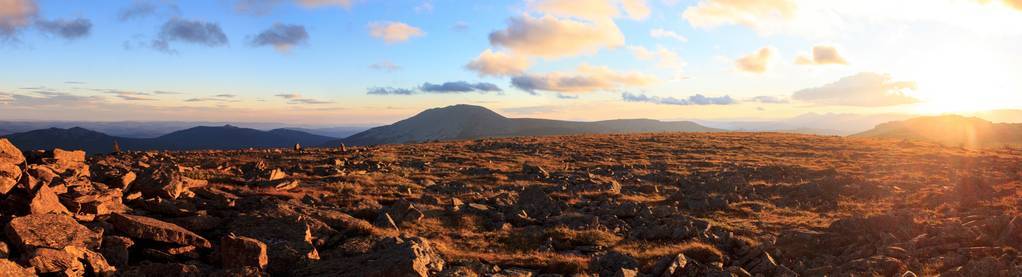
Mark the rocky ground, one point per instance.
(608, 205)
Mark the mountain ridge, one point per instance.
(952, 130)
(470, 122)
(225, 137)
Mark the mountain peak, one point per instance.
(461, 110)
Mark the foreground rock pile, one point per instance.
(607, 205)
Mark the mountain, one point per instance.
(153, 129)
(951, 130)
(203, 137)
(471, 122)
(810, 123)
(73, 138)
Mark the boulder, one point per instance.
(240, 252)
(56, 262)
(10, 165)
(148, 228)
(413, 256)
(611, 263)
(54, 231)
(163, 270)
(537, 204)
(116, 250)
(46, 201)
(288, 238)
(162, 181)
(12, 269)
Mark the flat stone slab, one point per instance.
(148, 228)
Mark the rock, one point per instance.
(402, 211)
(116, 250)
(535, 171)
(5, 252)
(56, 262)
(64, 156)
(125, 181)
(95, 263)
(12, 269)
(288, 239)
(102, 203)
(152, 229)
(625, 272)
(163, 270)
(46, 201)
(54, 231)
(163, 181)
(240, 252)
(10, 165)
(670, 266)
(537, 204)
(413, 256)
(612, 262)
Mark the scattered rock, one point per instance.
(239, 252)
(148, 228)
(55, 231)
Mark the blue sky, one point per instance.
(863, 50)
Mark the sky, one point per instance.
(353, 62)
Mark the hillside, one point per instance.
(203, 137)
(951, 130)
(665, 204)
(471, 122)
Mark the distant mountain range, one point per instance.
(152, 129)
(203, 137)
(950, 130)
(470, 122)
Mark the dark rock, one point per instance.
(163, 270)
(116, 250)
(612, 262)
(537, 204)
(142, 227)
(239, 252)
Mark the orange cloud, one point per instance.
(498, 64)
(393, 32)
(553, 37)
(15, 14)
(586, 78)
(757, 62)
(822, 55)
(752, 13)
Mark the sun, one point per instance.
(963, 78)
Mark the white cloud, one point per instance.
(863, 89)
(393, 32)
(661, 33)
(664, 58)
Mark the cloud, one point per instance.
(424, 7)
(662, 33)
(282, 37)
(385, 66)
(757, 62)
(458, 87)
(190, 31)
(67, 29)
(762, 15)
(389, 91)
(225, 95)
(553, 37)
(864, 89)
(822, 55)
(636, 9)
(697, 99)
(766, 99)
(52, 99)
(166, 92)
(14, 15)
(446, 87)
(393, 32)
(490, 63)
(460, 26)
(296, 98)
(289, 96)
(261, 7)
(664, 58)
(145, 8)
(585, 79)
(131, 95)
